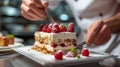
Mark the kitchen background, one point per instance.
(12, 22)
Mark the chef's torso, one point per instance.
(89, 10)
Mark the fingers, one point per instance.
(28, 16)
(102, 36)
(107, 36)
(92, 31)
(38, 11)
(45, 3)
(38, 3)
(33, 9)
(28, 12)
(105, 39)
(104, 32)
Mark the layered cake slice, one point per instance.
(53, 37)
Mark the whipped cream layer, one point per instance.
(58, 38)
(61, 35)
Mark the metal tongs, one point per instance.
(49, 18)
(80, 46)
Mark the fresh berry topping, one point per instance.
(71, 54)
(73, 50)
(53, 45)
(78, 56)
(62, 27)
(55, 28)
(62, 44)
(49, 29)
(58, 55)
(85, 52)
(74, 42)
(70, 27)
(40, 27)
(50, 25)
(55, 25)
(44, 29)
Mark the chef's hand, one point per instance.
(98, 33)
(34, 9)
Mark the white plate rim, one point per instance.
(8, 48)
(16, 44)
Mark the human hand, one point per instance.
(34, 9)
(98, 33)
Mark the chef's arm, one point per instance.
(114, 22)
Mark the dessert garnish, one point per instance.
(62, 27)
(56, 28)
(72, 53)
(58, 55)
(70, 27)
(85, 52)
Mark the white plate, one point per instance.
(44, 59)
(7, 48)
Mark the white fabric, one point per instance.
(89, 10)
(53, 4)
(116, 51)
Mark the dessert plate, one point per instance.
(48, 60)
(7, 48)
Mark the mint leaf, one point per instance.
(73, 50)
(78, 56)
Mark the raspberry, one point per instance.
(55, 28)
(44, 29)
(49, 29)
(58, 55)
(85, 52)
(40, 27)
(74, 44)
(70, 27)
(55, 25)
(62, 44)
(53, 44)
(50, 25)
(62, 27)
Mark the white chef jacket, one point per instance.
(88, 11)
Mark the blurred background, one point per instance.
(12, 22)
